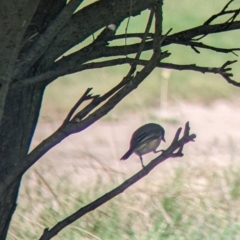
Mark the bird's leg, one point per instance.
(141, 161)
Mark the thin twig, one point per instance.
(221, 13)
(194, 44)
(223, 71)
(96, 102)
(86, 96)
(132, 35)
(142, 44)
(130, 14)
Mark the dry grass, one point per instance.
(195, 197)
(191, 200)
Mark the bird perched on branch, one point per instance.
(144, 140)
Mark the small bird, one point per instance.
(144, 140)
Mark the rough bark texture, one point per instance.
(19, 120)
(14, 21)
(19, 107)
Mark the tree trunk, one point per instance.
(19, 106)
(20, 116)
(7, 208)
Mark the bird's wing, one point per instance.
(143, 138)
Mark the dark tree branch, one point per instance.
(91, 52)
(190, 34)
(204, 46)
(185, 35)
(142, 44)
(15, 17)
(223, 70)
(83, 119)
(99, 16)
(42, 43)
(47, 11)
(223, 12)
(79, 36)
(104, 36)
(174, 150)
(100, 99)
(112, 99)
(132, 35)
(86, 96)
(52, 74)
(216, 70)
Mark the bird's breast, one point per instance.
(148, 147)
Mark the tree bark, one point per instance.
(19, 107)
(20, 115)
(7, 208)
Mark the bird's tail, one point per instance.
(127, 154)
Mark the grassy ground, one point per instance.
(195, 198)
(189, 201)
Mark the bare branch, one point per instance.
(174, 150)
(132, 35)
(72, 63)
(113, 97)
(186, 35)
(79, 29)
(176, 137)
(227, 23)
(195, 45)
(142, 44)
(223, 71)
(86, 96)
(89, 53)
(97, 101)
(52, 74)
(216, 70)
(42, 43)
(221, 13)
(128, 21)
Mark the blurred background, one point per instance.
(193, 197)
